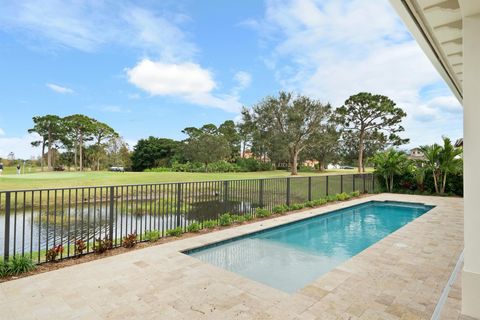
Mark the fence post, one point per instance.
(110, 220)
(353, 182)
(288, 191)
(326, 185)
(6, 246)
(260, 200)
(373, 183)
(225, 195)
(364, 186)
(309, 188)
(341, 183)
(179, 206)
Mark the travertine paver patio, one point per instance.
(400, 277)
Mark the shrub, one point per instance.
(80, 246)
(158, 169)
(210, 224)
(262, 213)
(310, 204)
(296, 206)
(102, 245)
(129, 241)
(225, 219)
(331, 198)
(152, 235)
(238, 218)
(342, 196)
(280, 209)
(194, 227)
(251, 164)
(53, 253)
(319, 202)
(4, 269)
(177, 232)
(20, 265)
(355, 193)
(248, 217)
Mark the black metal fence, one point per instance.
(34, 221)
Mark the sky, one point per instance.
(155, 67)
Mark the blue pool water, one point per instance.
(290, 256)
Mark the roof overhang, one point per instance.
(437, 27)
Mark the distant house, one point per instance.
(416, 154)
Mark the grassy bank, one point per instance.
(74, 179)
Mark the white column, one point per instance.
(471, 128)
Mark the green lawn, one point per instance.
(72, 179)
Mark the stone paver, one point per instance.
(400, 277)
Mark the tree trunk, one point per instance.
(42, 164)
(444, 182)
(49, 155)
(75, 147)
(320, 165)
(294, 163)
(80, 145)
(386, 184)
(360, 151)
(391, 183)
(435, 181)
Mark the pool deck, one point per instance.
(399, 277)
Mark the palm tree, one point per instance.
(449, 160)
(431, 162)
(390, 163)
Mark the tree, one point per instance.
(50, 129)
(450, 160)
(291, 120)
(324, 147)
(81, 129)
(442, 160)
(431, 162)
(365, 113)
(206, 148)
(229, 131)
(390, 163)
(152, 152)
(101, 132)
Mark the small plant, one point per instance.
(262, 213)
(355, 193)
(331, 198)
(210, 224)
(342, 196)
(80, 247)
(319, 202)
(194, 227)
(296, 206)
(102, 245)
(238, 218)
(129, 241)
(152, 235)
(280, 209)
(248, 217)
(4, 269)
(225, 219)
(20, 265)
(177, 232)
(53, 253)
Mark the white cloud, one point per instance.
(243, 78)
(2, 132)
(89, 25)
(333, 49)
(186, 80)
(20, 146)
(115, 109)
(58, 88)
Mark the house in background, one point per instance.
(416, 154)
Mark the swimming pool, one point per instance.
(290, 256)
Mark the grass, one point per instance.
(75, 179)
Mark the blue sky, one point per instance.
(156, 67)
